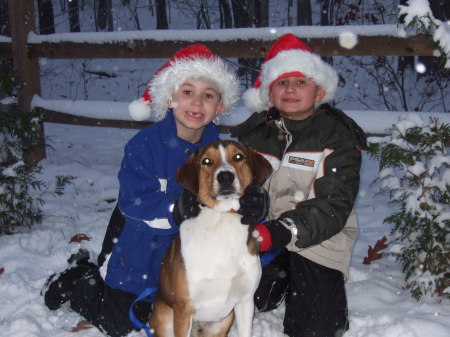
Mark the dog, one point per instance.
(211, 271)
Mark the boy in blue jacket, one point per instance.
(190, 91)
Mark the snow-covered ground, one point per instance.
(378, 304)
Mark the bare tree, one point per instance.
(4, 18)
(74, 16)
(46, 17)
(151, 8)
(6, 63)
(161, 15)
(304, 13)
(325, 13)
(226, 20)
(203, 16)
(104, 15)
(249, 13)
(261, 13)
(133, 12)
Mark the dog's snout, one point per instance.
(225, 178)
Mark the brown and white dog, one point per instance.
(210, 273)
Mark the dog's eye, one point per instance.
(238, 157)
(207, 162)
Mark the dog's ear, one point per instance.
(187, 174)
(260, 166)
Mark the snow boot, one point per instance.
(58, 288)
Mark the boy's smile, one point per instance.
(195, 104)
(295, 97)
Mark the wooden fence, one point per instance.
(25, 54)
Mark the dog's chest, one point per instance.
(220, 271)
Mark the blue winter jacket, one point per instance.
(147, 191)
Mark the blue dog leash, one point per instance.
(269, 256)
(136, 322)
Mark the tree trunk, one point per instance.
(324, 13)
(226, 20)
(262, 13)
(110, 16)
(46, 18)
(4, 18)
(304, 13)
(104, 15)
(74, 16)
(240, 14)
(247, 68)
(203, 16)
(6, 63)
(161, 15)
(151, 8)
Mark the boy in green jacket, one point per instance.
(315, 152)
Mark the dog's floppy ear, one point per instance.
(260, 166)
(187, 174)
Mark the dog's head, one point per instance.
(219, 173)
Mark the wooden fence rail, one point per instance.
(237, 48)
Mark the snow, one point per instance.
(264, 33)
(379, 305)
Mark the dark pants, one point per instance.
(104, 307)
(316, 302)
(115, 227)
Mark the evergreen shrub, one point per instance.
(415, 173)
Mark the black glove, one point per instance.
(186, 207)
(279, 233)
(254, 205)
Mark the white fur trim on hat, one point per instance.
(253, 101)
(139, 109)
(311, 65)
(165, 83)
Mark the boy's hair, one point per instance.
(195, 62)
(289, 56)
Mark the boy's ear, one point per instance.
(320, 94)
(219, 109)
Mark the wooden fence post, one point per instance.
(21, 18)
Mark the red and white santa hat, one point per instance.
(289, 56)
(195, 62)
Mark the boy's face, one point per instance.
(295, 97)
(195, 104)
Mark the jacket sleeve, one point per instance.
(333, 195)
(143, 195)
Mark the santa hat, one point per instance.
(195, 62)
(289, 56)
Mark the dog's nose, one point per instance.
(225, 178)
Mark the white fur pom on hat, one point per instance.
(289, 55)
(194, 62)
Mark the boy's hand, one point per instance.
(254, 205)
(273, 234)
(186, 207)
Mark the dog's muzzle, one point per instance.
(227, 188)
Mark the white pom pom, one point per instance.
(252, 100)
(139, 110)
